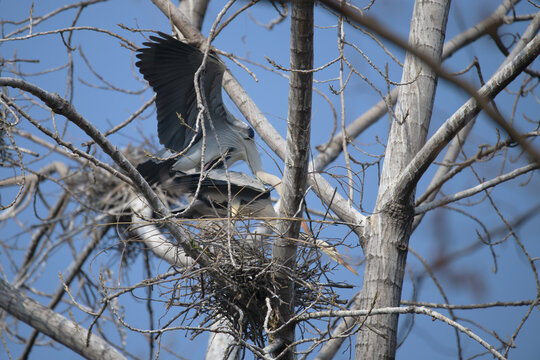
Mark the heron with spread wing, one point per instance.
(169, 66)
(196, 145)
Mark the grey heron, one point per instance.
(169, 66)
(249, 197)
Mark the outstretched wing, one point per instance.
(169, 66)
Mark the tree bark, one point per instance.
(195, 10)
(389, 228)
(296, 165)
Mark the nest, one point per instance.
(243, 283)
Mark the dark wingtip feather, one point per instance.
(154, 172)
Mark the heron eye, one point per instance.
(250, 134)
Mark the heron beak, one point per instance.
(328, 249)
(306, 228)
(333, 254)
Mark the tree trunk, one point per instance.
(296, 165)
(389, 228)
(195, 10)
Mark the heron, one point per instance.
(218, 188)
(169, 66)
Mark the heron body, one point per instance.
(213, 138)
(219, 188)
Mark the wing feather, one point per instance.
(169, 66)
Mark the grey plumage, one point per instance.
(248, 196)
(169, 66)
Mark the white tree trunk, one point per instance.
(194, 11)
(389, 228)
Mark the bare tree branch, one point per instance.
(489, 24)
(333, 148)
(482, 100)
(474, 190)
(154, 239)
(410, 176)
(458, 142)
(195, 10)
(470, 306)
(407, 310)
(181, 21)
(70, 275)
(54, 325)
(63, 107)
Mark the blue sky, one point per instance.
(470, 279)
